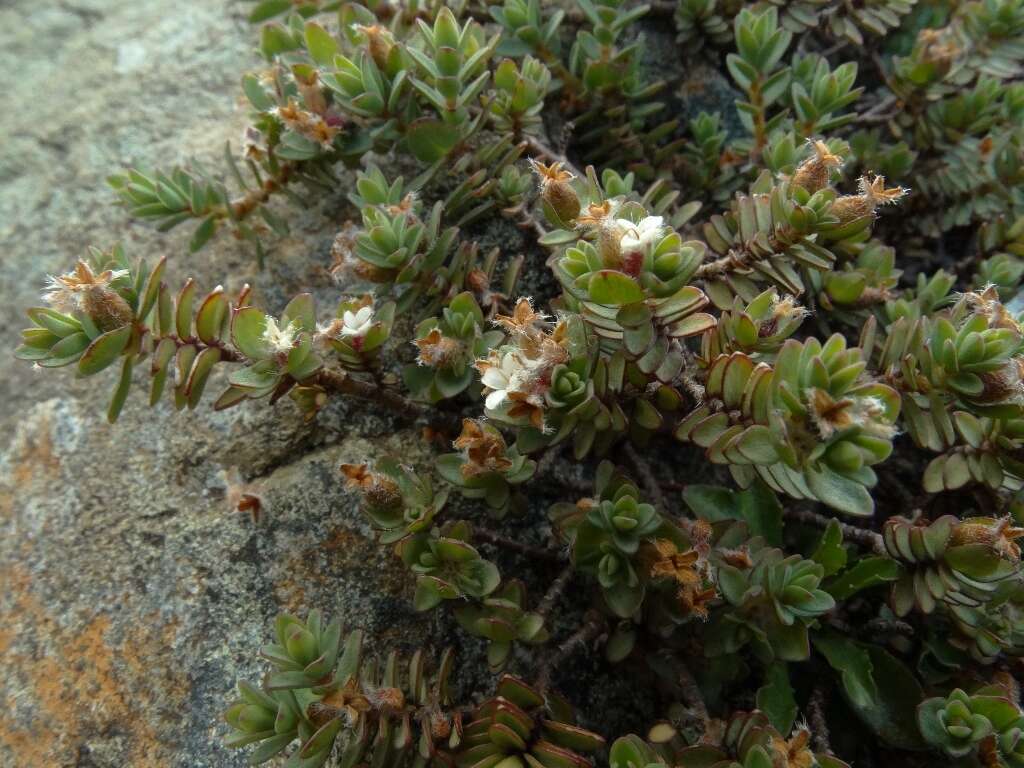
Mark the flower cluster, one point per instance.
(517, 377)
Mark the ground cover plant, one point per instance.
(780, 340)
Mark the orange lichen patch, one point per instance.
(34, 462)
(313, 570)
(77, 683)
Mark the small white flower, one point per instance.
(280, 339)
(636, 237)
(498, 376)
(356, 323)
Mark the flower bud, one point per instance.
(440, 726)
(813, 173)
(380, 43)
(106, 307)
(998, 535)
(873, 193)
(390, 699)
(609, 246)
(381, 494)
(556, 190)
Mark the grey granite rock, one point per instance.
(132, 598)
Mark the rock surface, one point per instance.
(131, 597)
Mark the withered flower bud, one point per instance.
(380, 493)
(1004, 385)
(90, 293)
(873, 194)
(600, 220)
(380, 42)
(437, 350)
(793, 753)
(998, 534)
(813, 173)
(107, 308)
(556, 190)
(387, 699)
(440, 725)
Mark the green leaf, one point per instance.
(301, 309)
(839, 492)
(775, 698)
(247, 328)
(868, 572)
(267, 9)
(830, 552)
(879, 688)
(104, 350)
(121, 391)
(430, 140)
(761, 509)
(152, 289)
(757, 505)
(321, 44)
(613, 289)
(711, 502)
(207, 227)
(854, 664)
(210, 317)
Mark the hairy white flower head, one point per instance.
(356, 323)
(510, 376)
(280, 339)
(636, 237)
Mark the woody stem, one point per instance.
(869, 539)
(498, 540)
(341, 382)
(591, 628)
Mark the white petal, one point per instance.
(494, 378)
(495, 399)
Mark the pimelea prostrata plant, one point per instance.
(723, 308)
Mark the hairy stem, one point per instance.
(866, 538)
(555, 591)
(592, 627)
(647, 478)
(816, 718)
(245, 205)
(342, 383)
(544, 553)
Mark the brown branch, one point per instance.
(882, 626)
(591, 628)
(647, 479)
(341, 382)
(544, 553)
(688, 378)
(692, 693)
(555, 591)
(249, 202)
(730, 262)
(816, 717)
(866, 538)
